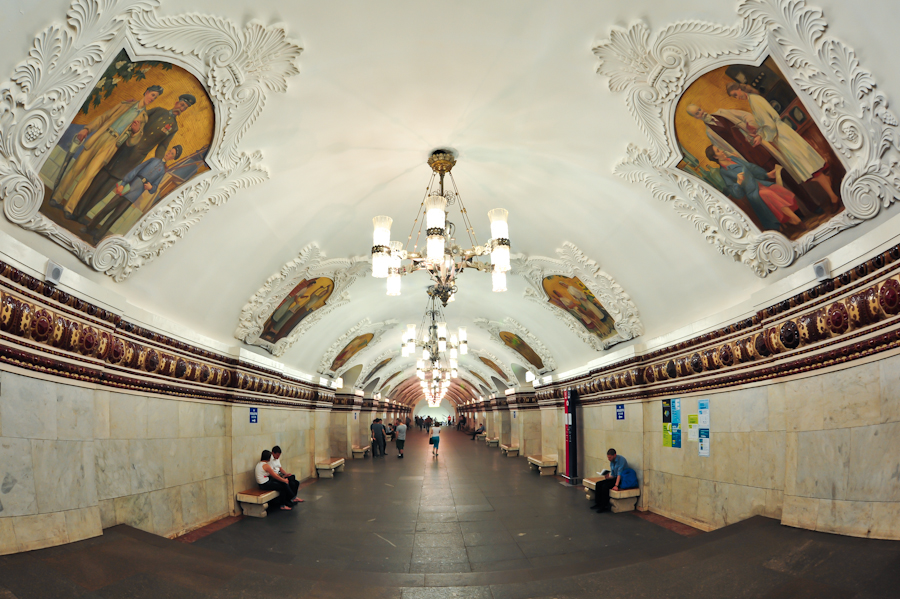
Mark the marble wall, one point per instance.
(550, 425)
(75, 460)
(530, 431)
(819, 452)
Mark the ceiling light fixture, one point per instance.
(440, 351)
(443, 259)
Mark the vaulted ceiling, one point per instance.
(511, 86)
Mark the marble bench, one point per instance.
(509, 450)
(624, 500)
(481, 436)
(360, 452)
(254, 502)
(327, 468)
(546, 464)
(492, 442)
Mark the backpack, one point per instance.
(629, 479)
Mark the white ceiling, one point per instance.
(511, 86)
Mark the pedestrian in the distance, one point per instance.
(435, 434)
(401, 438)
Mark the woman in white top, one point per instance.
(269, 480)
(435, 433)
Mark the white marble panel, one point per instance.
(27, 407)
(101, 414)
(83, 524)
(43, 530)
(63, 475)
(823, 464)
(112, 468)
(214, 420)
(749, 410)
(216, 497)
(208, 461)
(875, 463)
(685, 491)
(190, 419)
(17, 493)
(731, 461)
(162, 418)
(8, 542)
(74, 413)
(766, 454)
(107, 509)
(652, 416)
(167, 513)
(193, 503)
(844, 517)
(890, 389)
(885, 521)
(127, 416)
(852, 397)
(135, 511)
(178, 467)
(803, 407)
(774, 502)
(720, 406)
(776, 403)
(800, 512)
(147, 461)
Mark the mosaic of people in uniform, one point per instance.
(145, 129)
(743, 130)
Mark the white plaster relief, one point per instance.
(511, 379)
(310, 263)
(511, 325)
(363, 327)
(239, 68)
(654, 69)
(571, 262)
(370, 365)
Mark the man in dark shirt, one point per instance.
(379, 442)
(617, 465)
(161, 127)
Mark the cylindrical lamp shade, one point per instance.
(393, 284)
(381, 239)
(442, 329)
(462, 334)
(463, 347)
(442, 345)
(434, 224)
(499, 280)
(499, 226)
(434, 248)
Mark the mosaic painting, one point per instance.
(303, 300)
(351, 349)
(381, 365)
(743, 130)
(144, 129)
(490, 364)
(570, 294)
(517, 344)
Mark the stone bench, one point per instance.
(492, 442)
(509, 450)
(254, 502)
(624, 500)
(360, 452)
(327, 468)
(481, 436)
(546, 464)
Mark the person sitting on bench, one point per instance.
(617, 465)
(275, 463)
(269, 480)
(478, 431)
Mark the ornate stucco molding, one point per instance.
(654, 69)
(363, 327)
(238, 67)
(309, 263)
(399, 369)
(512, 381)
(511, 325)
(371, 364)
(571, 262)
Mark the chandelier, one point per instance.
(440, 352)
(443, 258)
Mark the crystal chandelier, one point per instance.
(443, 259)
(440, 352)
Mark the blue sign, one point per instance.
(254, 415)
(620, 411)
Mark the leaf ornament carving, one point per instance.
(653, 69)
(240, 68)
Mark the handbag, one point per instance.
(431, 440)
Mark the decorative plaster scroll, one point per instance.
(368, 367)
(239, 67)
(484, 373)
(363, 327)
(309, 263)
(572, 262)
(509, 324)
(511, 379)
(654, 69)
(389, 373)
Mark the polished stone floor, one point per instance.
(469, 523)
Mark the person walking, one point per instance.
(434, 432)
(401, 438)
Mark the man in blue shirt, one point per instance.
(617, 466)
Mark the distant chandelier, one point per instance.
(443, 259)
(440, 353)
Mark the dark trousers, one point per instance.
(475, 434)
(293, 484)
(283, 489)
(112, 212)
(103, 183)
(378, 445)
(602, 493)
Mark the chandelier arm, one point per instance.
(462, 208)
(418, 214)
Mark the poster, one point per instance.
(676, 423)
(693, 427)
(703, 406)
(667, 422)
(704, 443)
